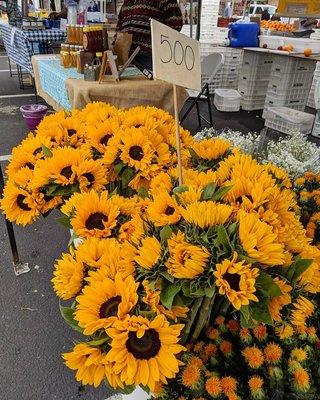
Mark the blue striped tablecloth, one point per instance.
(19, 43)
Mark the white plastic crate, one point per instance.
(251, 103)
(286, 120)
(316, 127)
(296, 80)
(253, 60)
(251, 91)
(290, 65)
(288, 94)
(261, 73)
(276, 101)
(227, 100)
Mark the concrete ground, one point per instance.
(32, 333)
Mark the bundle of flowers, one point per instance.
(234, 363)
(294, 153)
(151, 273)
(308, 192)
(96, 148)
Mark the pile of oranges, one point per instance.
(277, 26)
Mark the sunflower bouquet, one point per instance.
(97, 148)
(152, 272)
(308, 192)
(235, 363)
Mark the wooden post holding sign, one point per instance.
(176, 59)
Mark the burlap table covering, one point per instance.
(129, 92)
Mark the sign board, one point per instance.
(176, 57)
(299, 8)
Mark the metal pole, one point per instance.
(199, 19)
(19, 268)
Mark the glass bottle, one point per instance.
(68, 33)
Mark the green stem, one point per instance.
(194, 310)
(204, 315)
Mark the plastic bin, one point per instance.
(290, 65)
(276, 101)
(227, 100)
(316, 128)
(286, 120)
(244, 34)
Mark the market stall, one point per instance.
(21, 45)
(65, 88)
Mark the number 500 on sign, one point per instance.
(176, 57)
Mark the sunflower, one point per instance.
(68, 277)
(97, 112)
(18, 205)
(160, 183)
(60, 168)
(100, 134)
(148, 253)
(259, 241)
(277, 303)
(186, 261)
(280, 174)
(91, 174)
(144, 352)
(303, 309)
(236, 280)
(205, 214)
(136, 149)
(211, 149)
(253, 356)
(116, 258)
(310, 279)
(96, 216)
(164, 210)
(161, 150)
(152, 299)
(247, 194)
(239, 165)
(213, 387)
(284, 331)
(91, 366)
(103, 302)
(94, 252)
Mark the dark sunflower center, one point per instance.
(316, 237)
(138, 126)
(233, 280)
(90, 178)
(105, 139)
(110, 307)
(71, 132)
(146, 347)
(21, 204)
(66, 172)
(169, 210)
(29, 165)
(95, 221)
(136, 153)
(37, 151)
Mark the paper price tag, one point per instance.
(176, 57)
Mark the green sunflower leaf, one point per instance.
(50, 189)
(167, 276)
(118, 167)
(98, 342)
(186, 288)
(221, 192)
(208, 191)
(245, 318)
(222, 238)
(168, 293)
(64, 221)
(126, 390)
(46, 151)
(267, 285)
(143, 193)
(126, 176)
(260, 312)
(165, 233)
(192, 153)
(180, 189)
(210, 291)
(298, 268)
(67, 314)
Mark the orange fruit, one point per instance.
(307, 52)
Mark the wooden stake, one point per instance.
(178, 140)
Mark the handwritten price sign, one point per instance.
(176, 58)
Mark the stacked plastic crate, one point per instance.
(316, 127)
(209, 16)
(228, 76)
(316, 79)
(254, 80)
(290, 82)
